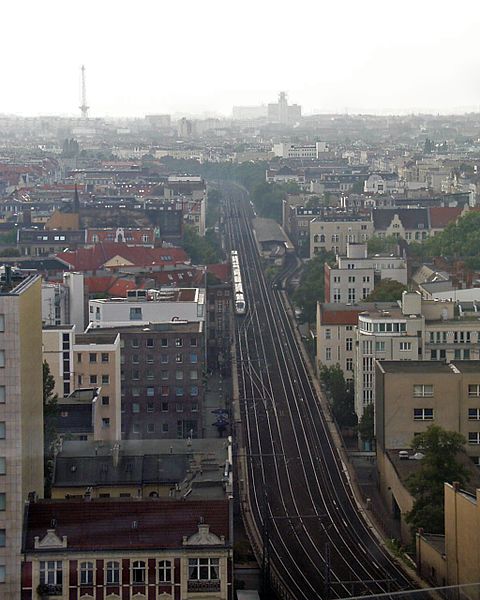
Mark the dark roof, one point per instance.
(113, 524)
(74, 418)
(467, 366)
(414, 366)
(411, 218)
(84, 471)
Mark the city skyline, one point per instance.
(194, 59)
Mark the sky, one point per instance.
(203, 57)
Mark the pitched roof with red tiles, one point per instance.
(179, 277)
(114, 524)
(110, 285)
(220, 271)
(92, 259)
(441, 216)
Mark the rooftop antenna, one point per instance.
(84, 108)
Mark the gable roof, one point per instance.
(115, 524)
(92, 259)
(441, 216)
(411, 218)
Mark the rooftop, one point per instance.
(414, 366)
(116, 524)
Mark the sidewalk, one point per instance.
(218, 394)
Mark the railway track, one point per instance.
(307, 529)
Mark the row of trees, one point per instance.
(312, 286)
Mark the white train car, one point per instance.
(239, 295)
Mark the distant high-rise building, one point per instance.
(159, 121)
(21, 417)
(281, 112)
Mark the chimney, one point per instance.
(27, 217)
(116, 454)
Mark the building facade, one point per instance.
(21, 418)
(332, 233)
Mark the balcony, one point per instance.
(46, 590)
(205, 586)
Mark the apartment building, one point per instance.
(332, 233)
(417, 329)
(162, 380)
(64, 302)
(290, 150)
(354, 276)
(411, 395)
(336, 335)
(21, 418)
(127, 548)
(142, 307)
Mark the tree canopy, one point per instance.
(341, 395)
(460, 239)
(50, 414)
(387, 290)
(378, 245)
(440, 464)
(204, 250)
(366, 425)
(312, 286)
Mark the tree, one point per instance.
(204, 250)
(341, 395)
(50, 415)
(439, 465)
(366, 426)
(312, 286)
(388, 290)
(378, 245)
(428, 146)
(459, 239)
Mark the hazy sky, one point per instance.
(176, 56)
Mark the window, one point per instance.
(328, 354)
(150, 392)
(165, 390)
(2, 323)
(423, 414)
(150, 359)
(136, 392)
(135, 343)
(135, 313)
(2, 574)
(178, 342)
(178, 375)
(92, 357)
(328, 334)
(474, 437)
(164, 375)
(150, 343)
(193, 358)
(93, 379)
(164, 342)
(349, 344)
(105, 357)
(135, 407)
(2, 430)
(2, 358)
(205, 569)
(150, 427)
(113, 571)
(2, 394)
(179, 357)
(164, 359)
(422, 390)
(164, 571)
(51, 572)
(136, 374)
(136, 428)
(3, 501)
(193, 390)
(474, 414)
(3, 538)
(105, 400)
(379, 346)
(105, 423)
(474, 389)
(433, 355)
(193, 342)
(179, 391)
(164, 427)
(194, 407)
(86, 573)
(193, 374)
(349, 364)
(105, 379)
(405, 346)
(138, 571)
(150, 407)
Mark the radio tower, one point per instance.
(84, 108)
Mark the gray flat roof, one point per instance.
(414, 366)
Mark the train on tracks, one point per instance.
(240, 306)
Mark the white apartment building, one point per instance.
(289, 150)
(142, 307)
(332, 233)
(417, 329)
(64, 303)
(354, 276)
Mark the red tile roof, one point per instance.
(220, 271)
(441, 216)
(339, 317)
(111, 286)
(124, 524)
(92, 259)
(179, 277)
